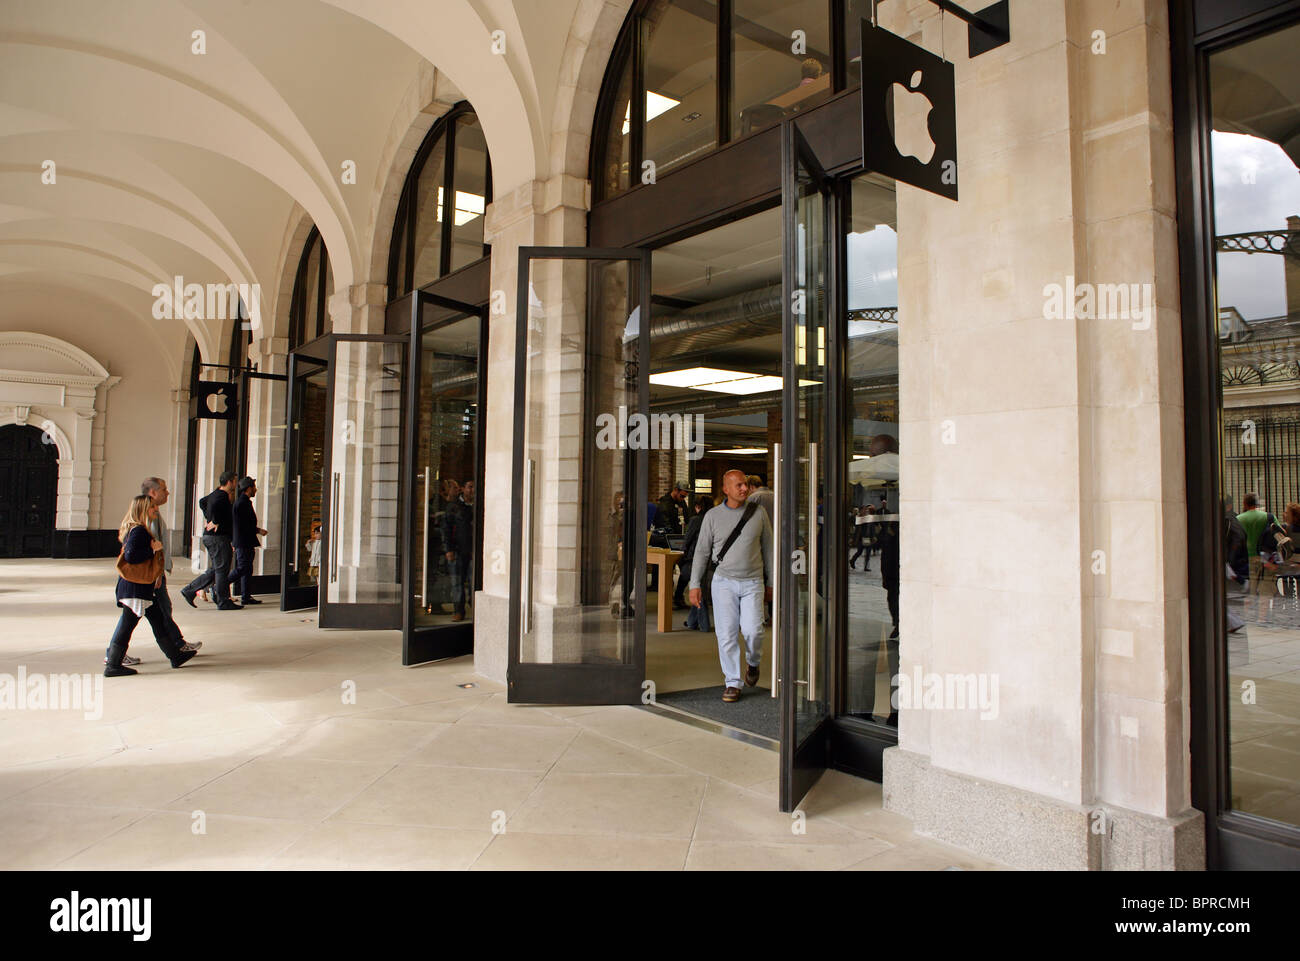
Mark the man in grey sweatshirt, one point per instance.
(741, 583)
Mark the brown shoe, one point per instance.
(731, 695)
(458, 617)
(751, 676)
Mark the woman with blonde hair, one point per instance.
(137, 599)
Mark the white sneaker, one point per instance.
(187, 646)
(127, 660)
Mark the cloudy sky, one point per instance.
(1253, 283)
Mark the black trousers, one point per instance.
(218, 572)
(163, 601)
(121, 638)
(243, 572)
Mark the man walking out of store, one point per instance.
(735, 539)
(216, 540)
(245, 539)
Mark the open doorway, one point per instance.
(716, 361)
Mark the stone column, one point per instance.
(536, 213)
(1029, 442)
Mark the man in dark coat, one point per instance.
(216, 541)
(245, 538)
(458, 542)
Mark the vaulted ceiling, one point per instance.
(168, 161)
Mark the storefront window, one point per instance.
(681, 82)
(873, 462)
(439, 222)
(309, 315)
(1256, 229)
(781, 60)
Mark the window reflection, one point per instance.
(872, 511)
(1255, 149)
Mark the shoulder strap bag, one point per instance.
(706, 581)
(145, 572)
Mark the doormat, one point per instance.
(755, 712)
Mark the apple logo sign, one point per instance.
(912, 120)
(217, 402)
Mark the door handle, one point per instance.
(777, 558)
(526, 574)
(334, 530)
(297, 518)
(812, 572)
(424, 564)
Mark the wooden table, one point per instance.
(665, 559)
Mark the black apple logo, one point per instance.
(912, 120)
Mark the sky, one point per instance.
(1253, 283)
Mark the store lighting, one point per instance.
(722, 381)
(741, 450)
(468, 206)
(655, 104)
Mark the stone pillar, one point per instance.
(1036, 441)
(535, 213)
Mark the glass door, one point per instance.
(801, 568)
(362, 573)
(304, 460)
(578, 547)
(444, 512)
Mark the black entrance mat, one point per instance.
(756, 711)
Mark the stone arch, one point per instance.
(60, 388)
(587, 50)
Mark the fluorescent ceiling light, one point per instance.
(722, 381)
(741, 450)
(468, 206)
(655, 104)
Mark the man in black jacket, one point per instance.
(216, 541)
(458, 542)
(245, 539)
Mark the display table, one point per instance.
(665, 559)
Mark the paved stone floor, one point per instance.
(250, 757)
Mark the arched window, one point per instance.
(690, 75)
(309, 315)
(426, 245)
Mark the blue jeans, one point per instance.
(218, 571)
(163, 601)
(738, 609)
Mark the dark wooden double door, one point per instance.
(29, 480)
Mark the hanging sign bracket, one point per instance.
(988, 29)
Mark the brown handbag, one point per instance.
(146, 572)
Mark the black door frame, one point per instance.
(1234, 840)
(447, 640)
(367, 616)
(294, 597)
(577, 683)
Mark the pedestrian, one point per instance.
(698, 618)
(140, 569)
(458, 543)
(155, 488)
(762, 495)
(245, 538)
(735, 546)
(219, 517)
(313, 554)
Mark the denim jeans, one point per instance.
(738, 609)
(126, 626)
(218, 571)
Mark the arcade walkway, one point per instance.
(249, 758)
